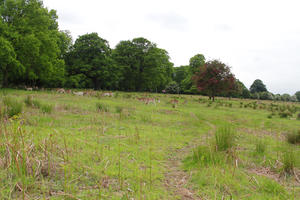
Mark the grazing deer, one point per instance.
(108, 94)
(78, 93)
(61, 91)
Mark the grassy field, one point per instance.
(62, 146)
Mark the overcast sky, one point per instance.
(259, 39)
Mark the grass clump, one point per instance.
(30, 102)
(224, 138)
(260, 147)
(289, 161)
(12, 107)
(206, 156)
(294, 137)
(102, 107)
(46, 108)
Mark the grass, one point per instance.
(12, 107)
(224, 138)
(121, 148)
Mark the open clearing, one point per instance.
(132, 146)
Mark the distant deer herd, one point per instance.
(146, 100)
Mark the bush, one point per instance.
(293, 138)
(13, 107)
(298, 116)
(102, 107)
(224, 138)
(172, 88)
(285, 114)
(46, 108)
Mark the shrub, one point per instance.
(285, 114)
(46, 108)
(224, 138)
(13, 107)
(289, 161)
(293, 138)
(102, 107)
(298, 116)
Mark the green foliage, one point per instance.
(258, 86)
(89, 64)
(285, 114)
(196, 62)
(144, 66)
(293, 137)
(31, 44)
(298, 95)
(102, 107)
(13, 107)
(172, 88)
(224, 138)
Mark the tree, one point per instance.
(89, 64)
(298, 95)
(144, 66)
(196, 61)
(214, 78)
(9, 65)
(258, 86)
(32, 31)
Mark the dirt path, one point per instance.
(176, 179)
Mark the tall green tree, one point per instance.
(10, 67)
(297, 94)
(144, 66)
(89, 64)
(258, 86)
(33, 32)
(196, 62)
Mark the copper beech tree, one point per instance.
(214, 78)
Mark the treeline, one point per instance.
(34, 52)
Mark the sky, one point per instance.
(258, 39)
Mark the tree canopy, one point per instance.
(258, 86)
(214, 78)
(144, 66)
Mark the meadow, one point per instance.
(146, 146)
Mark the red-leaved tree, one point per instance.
(214, 78)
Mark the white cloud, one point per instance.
(258, 39)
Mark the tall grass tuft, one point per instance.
(224, 138)
(289, 160)
(13, 107)
(206, 156)
(46, 108)
(102, 107)
(260, 147)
